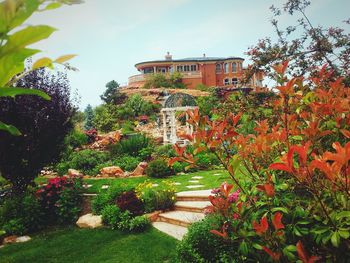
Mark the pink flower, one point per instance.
(234, 196)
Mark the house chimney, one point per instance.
(204, 55)
(168, 56)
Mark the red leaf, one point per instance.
(274, 255)
(276, 221)
(303, 254)
(280, 166)
(215, 232)
(262, 227)
(269, 189)
(346, 133)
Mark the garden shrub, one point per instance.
(75, 139)
(61, 199)
(108, 197)
(111, 215)
(291, 203)
(164, 151)
(130, 202)
(158, 168)
(21, 214)
(161, 197)
(86, 161)
(199, 244)
(207, 160)
(133, 145)
(139, 223)
(128, 126)
(127, 162)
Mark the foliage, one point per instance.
(207, 104)
(158, 168)
(111, 216)
(61, 199)
(89, 118)
(156, 81)
(164, 151)
(75, 139)
(139, 223)
(292, 202)
(108, 197)
(91, 135)
(14, 40)
(21, 214)
(306, 45)
(199, 246)
(128, 127)
(86, 161)
(127, 162)
(112, 95)
(128, 201)
(136, 106)
(132, 145)
(161, 197)
(105, 118)
(44, 125)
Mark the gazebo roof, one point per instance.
(180, 100)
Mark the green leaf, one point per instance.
(28, 7)
(42, 62)
(281, 209)
(335, 239)
(9, 128)
(243, 247)
(12, 92)
(25, 37)
(13, 63)
(344, 234)
(288, 251)
(343, 214)
(257, 246)
(64, 58)
(52, 6)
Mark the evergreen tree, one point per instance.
(112, 95)
(89, 118)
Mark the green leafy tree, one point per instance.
(105, 118)
(14, 42)
(89, 118)
(112, 94)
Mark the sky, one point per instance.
(111, 36)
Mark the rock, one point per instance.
(23, 239)
(140, 169)
(104, 186)
(153, 216)
(89, 221)
(112, 171)
(10, 239)
(74, 173)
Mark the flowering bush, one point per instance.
(292, 173)
(161, 197)
(61, 199)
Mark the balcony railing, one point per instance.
(143, 77)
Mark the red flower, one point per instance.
(276, 221)
(262, 227)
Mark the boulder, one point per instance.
(112, 171)
(74, 173)
(23, 239)
(140, 169)
(89, 221)
(10, 240)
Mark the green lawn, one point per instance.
(92, 245)
(211, 179)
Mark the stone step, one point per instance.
(193, 206)
(172, 230)
(180, 218)
(200, 195)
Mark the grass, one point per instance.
(211, 179)
(92, 245)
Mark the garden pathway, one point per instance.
(188, 209)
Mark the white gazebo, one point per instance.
(178, 102)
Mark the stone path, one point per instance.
(188, 209)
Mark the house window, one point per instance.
(218, 67)
(193, 67)
(234, 67)
(187, 68)
(179, 68)
(234, 81)
(226, 82)
(226, 67)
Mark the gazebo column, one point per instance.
(173, 137)
(165, 127)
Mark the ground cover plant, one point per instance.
(292, 202)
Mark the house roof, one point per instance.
(192, 59)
